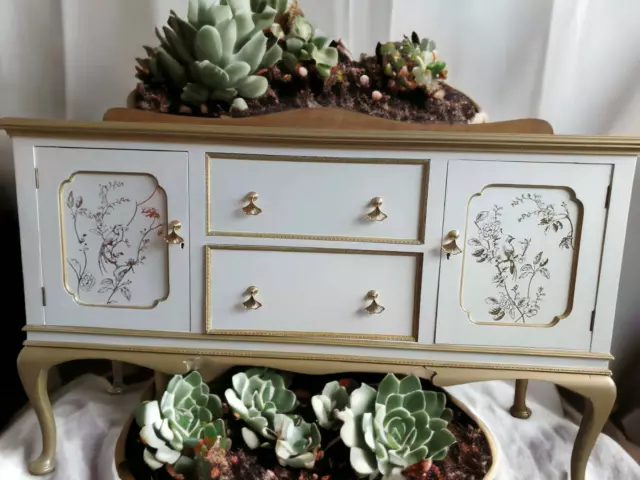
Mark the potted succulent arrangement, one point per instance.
(268, 424)
(243, 58)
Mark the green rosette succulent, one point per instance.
(257, 396)
(215, 53)
(297, 442)
(186, 413)
(395, 427)
(302, 45)
(333, 399)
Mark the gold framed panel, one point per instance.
(413, 338)
(424, 163)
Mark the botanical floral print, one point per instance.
(517, 280)
(116, 271)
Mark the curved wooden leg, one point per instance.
(600, 393)
(33, 374)
(117, 382)
(519, 408)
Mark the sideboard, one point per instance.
(456, 256)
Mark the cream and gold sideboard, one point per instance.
(455, 256)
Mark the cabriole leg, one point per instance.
(519, 408)
(33, 374)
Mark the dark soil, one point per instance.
(469, 459)
(345, 88)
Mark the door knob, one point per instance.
(449, 246)
(172, 237)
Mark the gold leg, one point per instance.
(519, 408)
(117, 382)
(33, 374)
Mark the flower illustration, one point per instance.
(87, 282)
(150, 212)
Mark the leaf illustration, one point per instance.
(544, 262)
(526, 268)
(495, 311)
(492, 300)
(545, 273)
(525, 274)
(70, 200)
(106, 281)
(522, 302)
(478, 252)
(482, 216)
(512, 268)
(474, 242)
(499, 316)
(537, 259)
(126, 292)
(104, 290)
(79, 202)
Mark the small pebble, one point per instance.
(303, 72)
(439, 94)
(376, 96)
(365, 81)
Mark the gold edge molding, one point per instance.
(318, 357)
(371, 139)
(424, 192)
(209, 328)
(313, 341)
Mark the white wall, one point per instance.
(574, 63)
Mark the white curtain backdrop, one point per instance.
(574, 63)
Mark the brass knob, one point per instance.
(252, 303)
(172, 237)
(374, 307)
(252, 208)
(449, 246)
(376, 215)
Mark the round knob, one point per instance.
(373, 294)
(253, 196)
(454, 234)
(252, 290)
(377, 202)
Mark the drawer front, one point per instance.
(324, 199)
(526, 267)
(103, 216)
(319, 292)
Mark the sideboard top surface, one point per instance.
(467, 139)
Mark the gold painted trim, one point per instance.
(209, 328)
(321, 138)
(424, 188)
(319, 357)
(313, 341)
(574, 264)
(65, 281)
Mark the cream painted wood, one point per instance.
(531, 236)
(321, 292)
(104, 214)
(317, 198)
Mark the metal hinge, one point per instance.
(593, 320)
(37, 178)
(44, 297)
(608, 199)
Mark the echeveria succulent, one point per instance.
(256, 397)
(297, 442)
(187, 412)
(301, 44)
(333, 399)
(395, 427)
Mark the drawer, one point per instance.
(312, 292)
(317, 199)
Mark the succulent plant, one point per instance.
(302, 45)
(297, 442)
(256, 397)
(215, 53)
(411, 62)
(395, 427)
(187, 412)
(333, 399)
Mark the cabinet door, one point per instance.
(530, 236)
(103, 216)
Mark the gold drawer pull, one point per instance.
(376, 215)
(450, 247)
(252, 208)
(374, 307)
(172, 237)
(252, 303)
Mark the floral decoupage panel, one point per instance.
(114, 252)
(519, 255)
